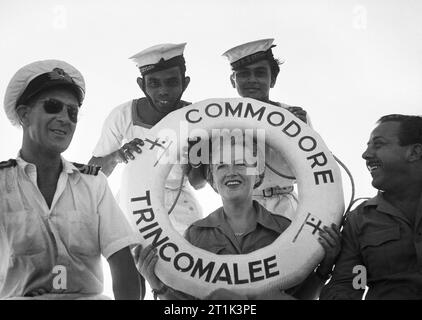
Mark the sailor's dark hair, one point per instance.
(275, 68)
(259, 56)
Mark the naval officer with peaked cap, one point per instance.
(56, 217)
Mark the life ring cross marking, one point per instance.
(155, 143)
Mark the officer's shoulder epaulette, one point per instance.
(185, 103)
(8, 164)
(87, 169)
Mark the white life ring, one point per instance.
(284, 263)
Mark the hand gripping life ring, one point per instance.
(284, 263)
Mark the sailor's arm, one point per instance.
(123, 154)
(107, 163)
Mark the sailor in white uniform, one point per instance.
(163, 81)
(255, 72)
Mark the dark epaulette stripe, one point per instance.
(8, 163)
(97, 169)
(87, 169)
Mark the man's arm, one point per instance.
(107, 163)
(145, 259)
(124, 275)
(116, 235)
(341, 283)
(309, 289)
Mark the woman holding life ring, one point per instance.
(241, 226)
(284, 263)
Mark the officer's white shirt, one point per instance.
(83, 223)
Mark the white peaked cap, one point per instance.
(45, 73)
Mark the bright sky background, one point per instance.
(347, 62)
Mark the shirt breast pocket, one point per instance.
(380, 250)
(25, 233)
(83, 233)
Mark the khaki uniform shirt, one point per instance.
(214, 234)
(379, 238)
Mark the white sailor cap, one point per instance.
(159, 57)
(250, 52)
(38, 76)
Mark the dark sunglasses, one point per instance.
(53, 106)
